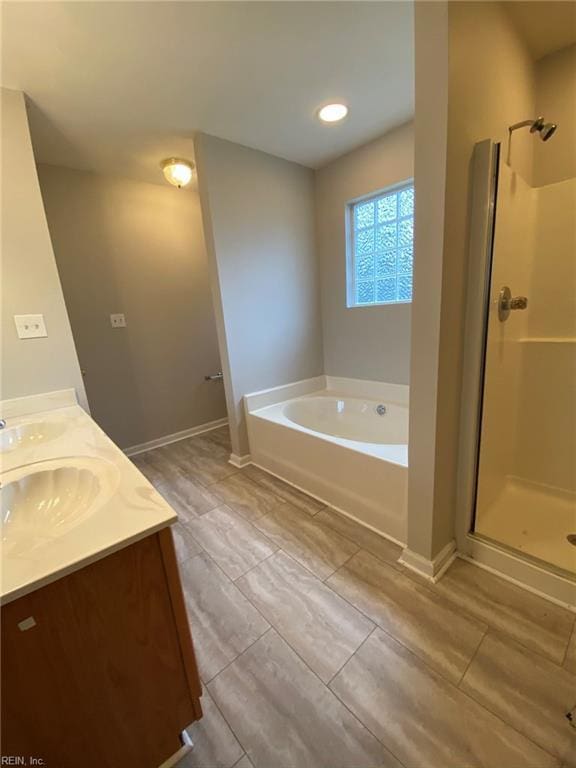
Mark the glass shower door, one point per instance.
(526, 484)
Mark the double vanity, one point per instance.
(98, 666)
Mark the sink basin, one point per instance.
(45, 500)
(28, 435)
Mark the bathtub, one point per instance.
(333, 439)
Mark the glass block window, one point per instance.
(381, 248)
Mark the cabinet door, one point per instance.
(99, 680)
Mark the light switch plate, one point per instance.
(118, 321)
(30, 326)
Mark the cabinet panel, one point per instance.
(100, 679)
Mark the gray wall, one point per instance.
(474, 77)
(259, 222)
(126, 246)
(30, 283)
(360, 342)
(429, 527)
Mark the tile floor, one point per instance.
(317, 649)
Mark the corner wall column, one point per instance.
(430, 544)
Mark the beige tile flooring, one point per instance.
(317, 649)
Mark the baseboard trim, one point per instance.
(240, 461)
(528, 587)
(523, 573)
(175, 437)
(432, 570)
(187, 746)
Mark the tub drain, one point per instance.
(571, 538)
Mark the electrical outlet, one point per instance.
(118, 321)
(30, 326)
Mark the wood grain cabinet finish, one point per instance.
(106, 677)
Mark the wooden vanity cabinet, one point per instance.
(98, 668)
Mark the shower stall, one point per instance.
(517, 479)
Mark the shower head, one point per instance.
(544, 130)
(547, 131)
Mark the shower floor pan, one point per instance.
(534, 519)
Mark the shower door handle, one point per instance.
(507, 303)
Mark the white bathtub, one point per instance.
(333, 444)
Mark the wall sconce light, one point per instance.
(176, 171)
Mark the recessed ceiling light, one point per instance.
(333, 113)
(177, 172)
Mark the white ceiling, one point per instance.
(117, 86)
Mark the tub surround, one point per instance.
(127, 508)
(366, 478)
(264, 397)
(375, 390)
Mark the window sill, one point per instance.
(378, 304)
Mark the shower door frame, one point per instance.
(488, 554)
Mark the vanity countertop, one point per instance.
(108, 503)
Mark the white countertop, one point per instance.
(128, 509)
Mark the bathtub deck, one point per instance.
(316, 648)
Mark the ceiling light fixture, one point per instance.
(333, 113)
(178, 172)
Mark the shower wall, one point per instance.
(526, 481)
(546, 409)
(546, 432)
(530, 377)
(526, 492)
(555, 89)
